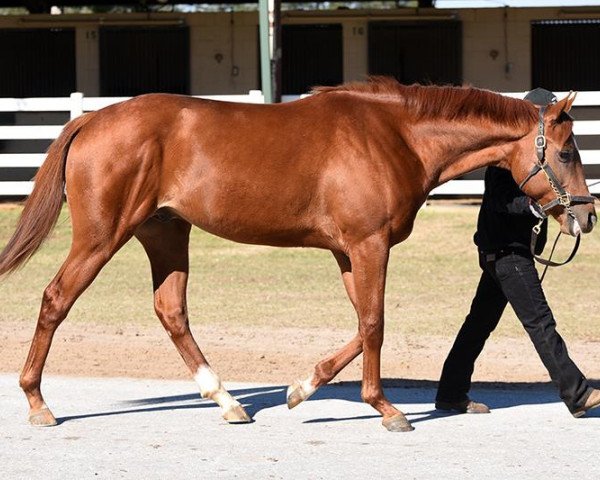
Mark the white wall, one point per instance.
(87, 53)
(224, 54)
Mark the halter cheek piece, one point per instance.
(563, 198)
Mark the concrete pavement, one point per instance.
(153, 429)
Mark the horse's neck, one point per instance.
(451, 149)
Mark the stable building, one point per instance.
(503, 49)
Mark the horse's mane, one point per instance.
(448, 102)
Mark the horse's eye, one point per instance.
(565, 155)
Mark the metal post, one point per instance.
(265, 51)
(276, 50)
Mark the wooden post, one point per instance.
(76, 105)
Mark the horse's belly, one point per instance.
(259, 221)
(260, 234)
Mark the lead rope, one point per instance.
(565, 201)
(548, 262)
(550, 257)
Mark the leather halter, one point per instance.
(563, 198)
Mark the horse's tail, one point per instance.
(43, 206)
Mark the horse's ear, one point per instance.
(556, 111)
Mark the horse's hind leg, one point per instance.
(78, 271)
(327, 369)
(166, 243)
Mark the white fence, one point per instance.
(76, 104)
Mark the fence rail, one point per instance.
(77, 103)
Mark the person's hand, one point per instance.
(536, 209)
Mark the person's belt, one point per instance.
(493, 255)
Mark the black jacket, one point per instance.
(505, 219)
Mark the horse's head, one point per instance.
(548, 169)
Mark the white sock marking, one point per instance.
(308, 387)
(210, 387)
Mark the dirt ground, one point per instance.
(274, 355)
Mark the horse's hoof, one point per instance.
(299, 391)
(397, 423)
(237, 414)
(42, 418)
(295, 394)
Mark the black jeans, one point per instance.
(510, 278)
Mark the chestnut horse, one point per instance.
(344, 170)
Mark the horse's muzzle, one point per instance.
(574, 227)
(583, 222)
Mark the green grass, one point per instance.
(432, 278)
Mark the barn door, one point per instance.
(37, 62)
(311, 55)
(424, 52)
(136, 60)
(564, 54)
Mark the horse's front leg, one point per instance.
(364, 275)
(327, 369)
(369, 265)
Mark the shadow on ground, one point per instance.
(413, 392)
